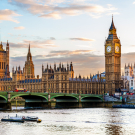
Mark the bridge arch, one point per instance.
(3, 97)
(92, 97)
(24, 95)
(65, 96)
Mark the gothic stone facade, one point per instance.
(61, 79)
(112, 61)
(4, 61)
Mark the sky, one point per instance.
(65, 31)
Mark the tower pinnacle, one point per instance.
(29, 49)
(112, 32)
(29, 57)
(112, 24)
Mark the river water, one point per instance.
(91, 121)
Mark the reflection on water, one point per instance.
(72, 121)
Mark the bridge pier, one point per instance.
(7, 106)
(49, 104)
(80, 104)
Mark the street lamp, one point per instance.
(49, 90)
(79, 95)
(9, 88)
(80, 92)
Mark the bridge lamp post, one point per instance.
(80, 92)
(49, 95)
(49, 90)
(79, 95)
(9, 88)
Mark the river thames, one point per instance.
(91, 121)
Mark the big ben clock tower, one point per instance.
(112, 61)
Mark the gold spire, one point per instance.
(1, 47)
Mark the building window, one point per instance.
(57, 85)
(62, 77)
(65, 77)
(57, 77)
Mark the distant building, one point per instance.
(130, 77)
(28, 70)
(4, 61)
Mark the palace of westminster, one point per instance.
(61, 79)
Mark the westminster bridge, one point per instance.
(45, 100)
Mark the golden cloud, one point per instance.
(7, 15)
(82, 39)
(19, 28)
(52, 9)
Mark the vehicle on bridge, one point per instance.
(20, 90)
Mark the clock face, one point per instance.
(117, 49)
(108, 49)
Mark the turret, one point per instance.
(1, 47)
(13, 70)
(29, 57)
(54, 67)
(23, 70)
(42, 68)
(47, 66)
(71, 67)
(79, 76)
(67, 67)
(60, 65)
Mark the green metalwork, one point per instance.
(3, 97)
(20, 94)
(45, 95)
(92, 95)
(67, 95)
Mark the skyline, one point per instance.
(67, 31)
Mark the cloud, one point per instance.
(128, 57)
(54, 15)
(19, 28)
(83, 60)
(56, 9)
(7, 15)
(82, 39)
(133, 2)
(132, 45)
(52, 38)
(33, 44)
(66, 53)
